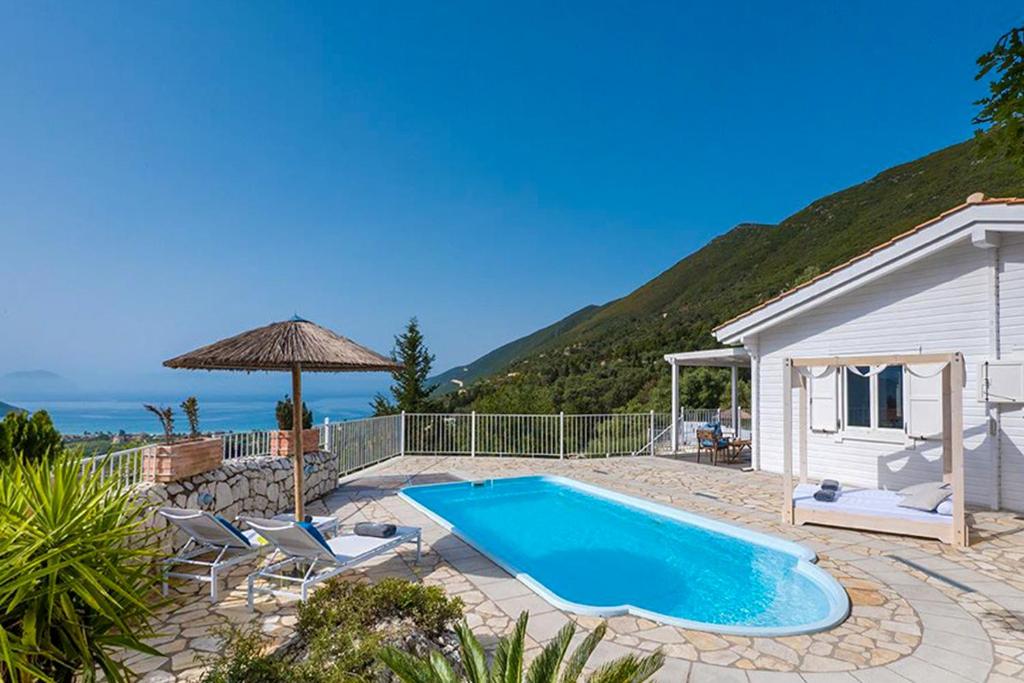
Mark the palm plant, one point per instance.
(190, 406)
(76, 579)
(166, 417)
(507, 666)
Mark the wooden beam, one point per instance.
(947, 427)
(297, 448)
(884, 359)
(802, 428)
(961, 537)
(787, 441)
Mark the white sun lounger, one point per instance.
(207, 534)
(210, 534)
(320, 560)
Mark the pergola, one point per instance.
(732, 358)
(797, 372)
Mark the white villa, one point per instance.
(953, 285)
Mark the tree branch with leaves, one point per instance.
(1002, 112)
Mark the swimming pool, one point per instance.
(592, 551)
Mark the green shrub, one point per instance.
(283, 413)
(245, 660)
(31, 436)
(341, 629)
(76, 579)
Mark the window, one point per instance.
(874, 402)
(858, 398)
(890, 398)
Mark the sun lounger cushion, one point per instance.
(865, 502)
(233, 529)
(926, 499)
(314, 532)
(926, 486)
(375, 529)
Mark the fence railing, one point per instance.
(245, 444)
(364, 442)
(361, 443)
(126, 465)
(550, 436)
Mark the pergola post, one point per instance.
(297, 441)
(802, 429)
(956, 419)
(675, 407)
(734, 397)
(787, 441)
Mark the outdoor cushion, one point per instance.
(314, 532)
(926, 486)
(927, 499)
(233, 529)
(374, 529)
(945, 508)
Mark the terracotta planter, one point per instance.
(172, 462)
(281, 442)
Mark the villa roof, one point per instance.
(972, 201)
(282, 345)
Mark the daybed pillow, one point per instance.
(945, 508)
(925, 500)
(927, 486)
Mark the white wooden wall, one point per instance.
(1011, 342)
(939, 304)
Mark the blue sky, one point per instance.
(172, 173)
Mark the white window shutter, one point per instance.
(824, 393)
(924, 402)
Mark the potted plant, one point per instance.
(281, 440)
(179, 458)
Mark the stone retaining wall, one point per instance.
(260, 486)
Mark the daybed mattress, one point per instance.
(865, 502)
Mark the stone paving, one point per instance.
(921, 611)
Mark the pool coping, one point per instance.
(839, 601)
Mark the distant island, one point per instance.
(8, 408)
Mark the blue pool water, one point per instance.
(593, 551)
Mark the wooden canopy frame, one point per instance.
(956, 532)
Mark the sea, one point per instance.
(94, 414)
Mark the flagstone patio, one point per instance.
(921, 610)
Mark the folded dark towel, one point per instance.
(375, 529)
(826, 495)
(830, 485)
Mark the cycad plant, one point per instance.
(76, 579)
(166, 417)
(507, 666)
(190, 406)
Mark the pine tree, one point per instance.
(410, 391)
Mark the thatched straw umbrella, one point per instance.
(290, 346)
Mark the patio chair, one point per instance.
(207, 534)
(710, 439)
(314, 558)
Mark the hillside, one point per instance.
(7, 408)
(502, 356)
(611, 357)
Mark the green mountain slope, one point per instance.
(7, 408)
(502, 356)
(611, 357)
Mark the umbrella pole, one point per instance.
(297, 440)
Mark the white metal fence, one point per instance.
(364, 442)
(126, 465)
(361, 443)
(550, 436)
